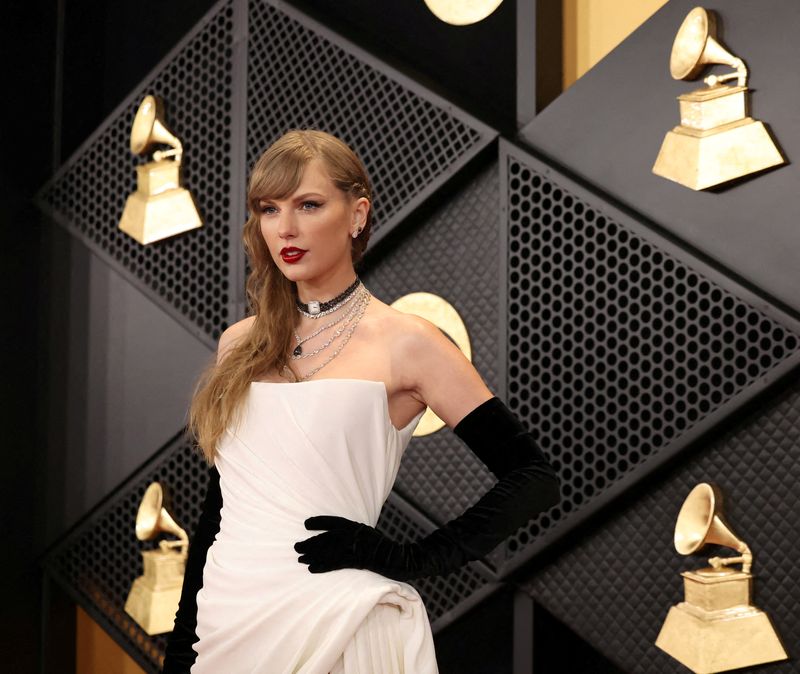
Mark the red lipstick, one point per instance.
(291, 254)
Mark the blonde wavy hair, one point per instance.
(221, 388)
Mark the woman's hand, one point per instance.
(348, 544)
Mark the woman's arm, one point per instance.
(180, 655)
(435, 371)
(442, 377)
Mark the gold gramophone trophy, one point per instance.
(153, 599)
(160, 207)
(716, 141)
(716, 628)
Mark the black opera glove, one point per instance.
(180, 656)
(347, 544)
(527, 486)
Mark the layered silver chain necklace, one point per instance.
(358, 295)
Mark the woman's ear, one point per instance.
(362, 209)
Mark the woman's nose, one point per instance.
(286, 224)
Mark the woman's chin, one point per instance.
(294, 273)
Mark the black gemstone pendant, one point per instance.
(298, 350)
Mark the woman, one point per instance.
(304, 417)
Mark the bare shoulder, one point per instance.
(404, 332)
(415, 332)
(433, 369)
(233, 333)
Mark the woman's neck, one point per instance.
(324, 290)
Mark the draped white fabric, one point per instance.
(316, 447)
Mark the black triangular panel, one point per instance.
(614, 588)
(188, 275)
(623, 348)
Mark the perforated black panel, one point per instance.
(619, 351)
(302, 75)
(619, 578)
(187, 274)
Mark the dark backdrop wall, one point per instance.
(70, 451)
(108, 48)
(100, 58)
(27, 42)
(473, 66)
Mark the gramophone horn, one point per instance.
(153, 518)
(148, 127)
(695, 46)
(700, 521)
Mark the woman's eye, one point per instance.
(304, 206)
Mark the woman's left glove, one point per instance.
(527, 485)
(349, 544)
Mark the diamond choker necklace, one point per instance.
(317, 309)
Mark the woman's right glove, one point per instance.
(180, 655)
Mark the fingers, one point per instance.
(327, 522)
(332, 549)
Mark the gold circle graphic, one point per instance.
(462, 12)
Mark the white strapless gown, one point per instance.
(315, 447)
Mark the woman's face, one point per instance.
(318, 219)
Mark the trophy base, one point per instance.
(717, 641)
(153, 608)
(700, 159)
(149, 218)
(153, 599)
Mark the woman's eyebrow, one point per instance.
(300, 197)
(308, 194)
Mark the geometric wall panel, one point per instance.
(614, 588)
(189, 275)
(616, 346)
(623, 348)
(300, 74)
